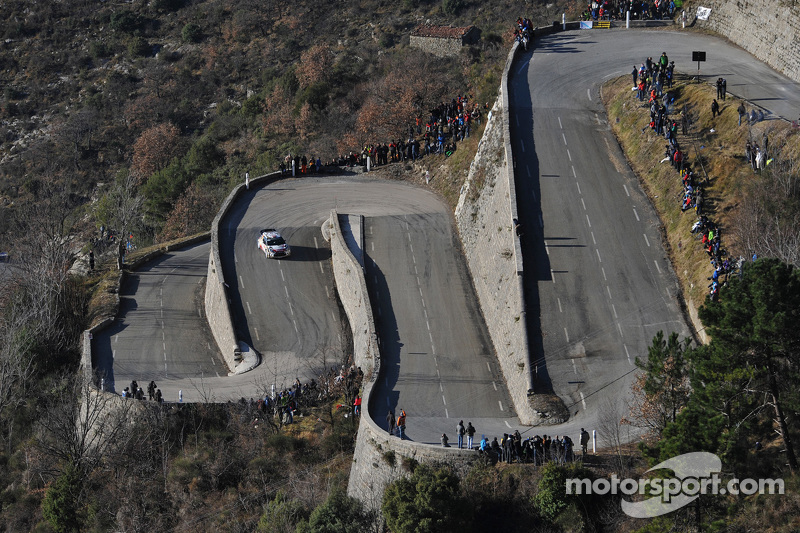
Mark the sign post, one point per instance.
(698, 56)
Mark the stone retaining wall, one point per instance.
(217, 302)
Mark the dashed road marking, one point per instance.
(593, 239)
(569, 155)
(566, 334)
(286, 290)
(507, 424)
(574, 368)
(657, 267)
(588, 221)
(255, 330)
(522, 145)
(614, 310)
(295, 326)
(608, 289)
(579, 187)
(559, 123)
(494, 384)
(603, 270)
(626, 189)
(488, 367)
(619, 327)
(283, 278)
(583, 400)
(560, 310)
(589, 93)
(322, 270)
(541, 221)
(646, 240)
(250, 311)
(598, 255)
(636, 215)
(628, 355)
(565, 139)
(446, 414)
(501, 405)
(444, 401)
(583, 204)
(552, 275)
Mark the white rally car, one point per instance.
(272, 244)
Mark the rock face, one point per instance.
(768, 29)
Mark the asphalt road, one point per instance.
(595, 267)
(596, 271)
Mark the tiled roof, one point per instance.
(440, 32)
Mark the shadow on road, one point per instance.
(535, 261)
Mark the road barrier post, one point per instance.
(594, 441)
(627, 20)
(564, 21)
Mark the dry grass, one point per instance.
(717, 155)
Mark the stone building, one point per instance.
(443, 40)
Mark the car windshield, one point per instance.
(276, 241)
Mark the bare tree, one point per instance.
(121, 209)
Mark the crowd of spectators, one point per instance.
(650, 80)
(512, 448)
(447, 124)
(617, 10)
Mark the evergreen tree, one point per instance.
(752, 363)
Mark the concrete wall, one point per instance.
(352, 289)
(217, 302)
(768, 29)
(484, 215)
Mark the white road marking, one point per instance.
(372, 245)
(286, 290)
(494, 384)
(443, 400)
(627, 354)
(657, 267)
(565, 139)
(546, 249)
(609, 292)
(574, 368)
(320, 268)
(646, 240)
(250, 311)
(569, 155)
(235, 259)
(589, 93)
(636, 214)
(440, 388)
(295, 326)
(379, 312)
(533, 193)
(164, 346)
(116, 337)
(604, 273)
(327, 292)
(560, 310)
(626, 189)
(214, 363)
(446, 414)
(566, 334)
(559, 123)
(316, 244)
(522, 145)
(598, 255)
(501, 405)
(593, 239)
(423, 302)
(411, 247)
(428, 324)
(255, 330)
(113, 354)
(575, 175)
(488, 367)
(619, 327)
(614, 309)
(588, 221)
(578, 185)
(583, 400)
(552, 275)
(584, 204)
(507, 424)
(541, 221)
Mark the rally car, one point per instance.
(272, 244)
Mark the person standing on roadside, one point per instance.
(460, 433)
(390, 422)
(470, 434)
(401, 424)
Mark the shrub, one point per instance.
(125, 21)
(191, 33)
(138, 47)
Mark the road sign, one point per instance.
(698, 56)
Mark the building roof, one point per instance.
(440, 32)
